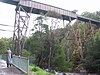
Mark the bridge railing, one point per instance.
(0, 56)
(21, 63)
(3, 56)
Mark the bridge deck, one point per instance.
(9, 71)
(39, 8)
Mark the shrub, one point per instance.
(25, 53)
(38, 70)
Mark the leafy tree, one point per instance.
(94, 15)
(38, 44)
(42, 45)
(25, 53)
(59, 61)
(92, 46)
(92, 53)
(4, 44)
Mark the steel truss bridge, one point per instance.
(29, 6)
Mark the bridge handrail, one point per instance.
(21, 63)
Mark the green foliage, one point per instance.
(38, 44)
(35, 44)
(59, 59)
(76, 61)
(25, 74)
(95, 15)
(36, 70)
(39, 25)
(92, 54)
(25, 53)
(42, 40)
(4, 44)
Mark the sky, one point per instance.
(7, 12)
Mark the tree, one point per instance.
(94, 15)
(42, 43)
(92, 45)
(4, 44)
(38, 43)
(92, 53)
(59, 61)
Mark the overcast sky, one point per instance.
(7, 12)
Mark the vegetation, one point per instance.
(95, 15)
(5, 43)
(38, 71)
(72, 48)
(92, 47)
(92, 53)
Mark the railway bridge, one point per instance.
(29, 7)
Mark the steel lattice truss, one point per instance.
(20, 29)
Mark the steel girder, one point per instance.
(20, 29)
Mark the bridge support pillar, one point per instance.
(20, 29)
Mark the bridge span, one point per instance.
(29, 6)
(38, 8)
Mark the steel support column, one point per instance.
(20, 29)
